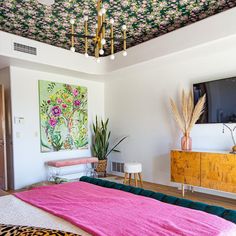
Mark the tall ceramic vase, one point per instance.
(186, 142)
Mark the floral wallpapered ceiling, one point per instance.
(145, 19)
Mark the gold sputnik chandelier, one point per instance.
(100, 38)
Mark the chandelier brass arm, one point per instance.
(91, 37)
(100, 38)
(82, 36)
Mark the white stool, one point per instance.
(133, 168)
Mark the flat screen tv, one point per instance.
(220, 100)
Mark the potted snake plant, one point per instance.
(101, 146)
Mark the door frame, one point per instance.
(4, 144)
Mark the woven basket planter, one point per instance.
(101, 167)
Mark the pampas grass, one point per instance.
(188, 115)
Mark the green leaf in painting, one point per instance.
(51, 86)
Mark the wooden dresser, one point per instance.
(213, 170)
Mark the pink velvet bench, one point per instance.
(56, 165)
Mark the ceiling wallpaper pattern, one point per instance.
(145, 19)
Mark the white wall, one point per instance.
(28, 161)
(137, 103)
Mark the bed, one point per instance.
(104, 210)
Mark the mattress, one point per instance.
(106, 211)
(16, 212)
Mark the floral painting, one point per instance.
(144, 19)
(63, 116)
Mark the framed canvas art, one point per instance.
(63, 116)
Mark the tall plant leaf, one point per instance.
(116, 144)
(100, 146)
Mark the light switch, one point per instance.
(19, 120)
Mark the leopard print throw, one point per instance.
(17, 230)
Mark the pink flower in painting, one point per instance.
(75, 92)
(59, 100)
(52, 122)
(56, 111)
(64, 105)
(77, 103)
(48, 101)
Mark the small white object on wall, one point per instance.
(19, 120)
(18, 135)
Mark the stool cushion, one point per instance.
(133, 168)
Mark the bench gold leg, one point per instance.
(136, 179)
(126, 177)
(130, 176)
(141, 180)
(182, 190)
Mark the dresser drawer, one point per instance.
(218, 171)
(185, 167)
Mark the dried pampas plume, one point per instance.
(188, 115)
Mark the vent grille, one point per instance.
(24, 48)
(117, 167)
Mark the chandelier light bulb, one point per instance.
(112, 21)
(101, 51)
(103, 10)
(125, 53)
(98, 60)
(72, 49)
(85, 18)
(103, 41)
(112, 57)
(124, 27)
(96, 26)
(72, 21)
(86, 55)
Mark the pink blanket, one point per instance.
(110, 212)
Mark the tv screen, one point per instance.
(220, 100)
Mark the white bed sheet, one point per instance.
(16, 212)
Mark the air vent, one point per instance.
(117, 167)
(24, 48)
